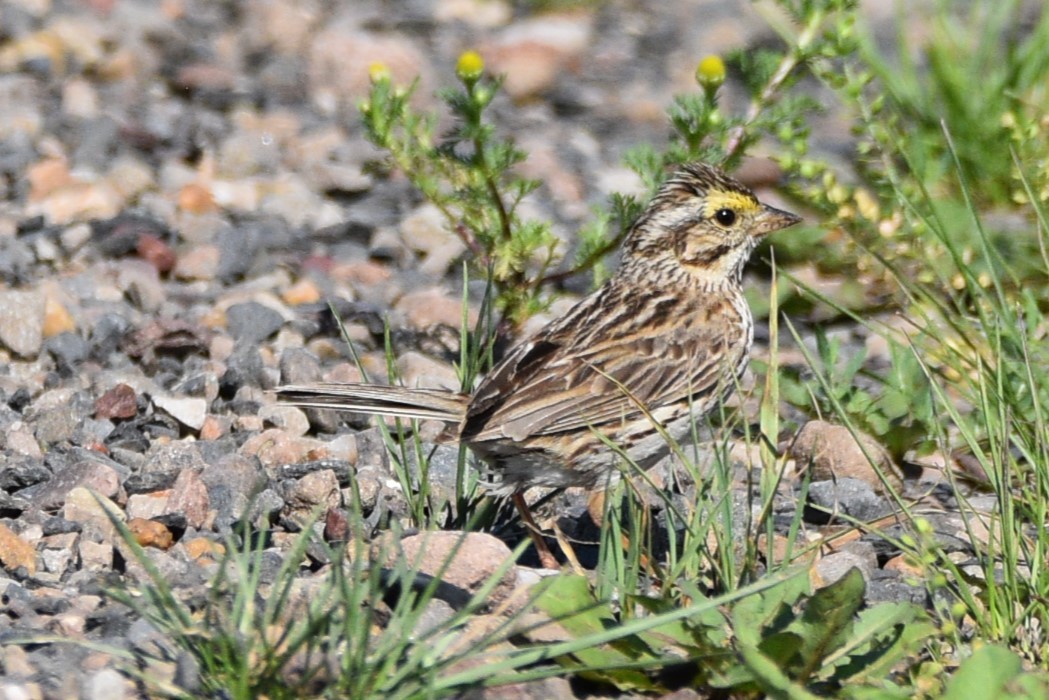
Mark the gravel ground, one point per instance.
(182, 195)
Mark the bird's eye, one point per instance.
(725, 216)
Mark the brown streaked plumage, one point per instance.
(664, 339)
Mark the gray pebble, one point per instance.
(851, 497)
(22, 321)
(20, 472)
(68, 349)
(252, 322)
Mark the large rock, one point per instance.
(834, 452)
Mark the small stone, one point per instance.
(93, 511)
(107, 684)
(201, 548)
(418, 370)
(292, 198)
(904, 565)
(56, 551)
(851, 497)
(22, 321)
(336, 526)
(888, 587)
(57, 318)
(21, 441)
(146, 506)
(61, 540)
(244, 154)
(302, 292)
(56, 415)
(196, 198)
(252, 322)
(274, 447)
(96, 556)
(78, 201)
(19, 473)
(361, 273)
(215, 427)
(299, 366)
(17, 666)
(47, 176)
(15, 552)
(233, 482)
(157, 253)
(293, 420)
(189, 411)
(385, 245)
(83, 474)
(70, 624)
(189, 497)
(248, 424)
(106, 335)
(855, 555)
(149, 533)
(79, 98)
(120, 403)
(426, 232)
(68, 349)
(199, 263)
(173, 458)
(57, 525)
(319, 488)
(74, 237)
(428, 307)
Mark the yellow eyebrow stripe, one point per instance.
(737, 201)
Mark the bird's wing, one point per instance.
(550, 385)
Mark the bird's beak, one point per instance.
(770, 219)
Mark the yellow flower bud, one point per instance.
(378, 72)
(710, 73)
(867, 204)
(469, 66)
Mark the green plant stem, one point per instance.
(791, 60)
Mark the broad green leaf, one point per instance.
(881, 638)
(771, 609)
(995, 672)
(827, 620)
(782, 647)
(770, 677)
(569, 601)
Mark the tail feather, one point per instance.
(398, 401)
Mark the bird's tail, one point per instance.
(399, 401)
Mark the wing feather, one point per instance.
(605, 384)
(403, 402)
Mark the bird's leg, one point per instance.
(595, 506)
(546, 557)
